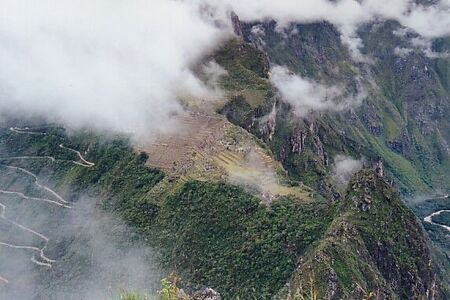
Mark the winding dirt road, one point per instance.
(25, 131)
(28, 157)
(36, 182)
(40, 235)
(33, 198)
(84, 163)
(429, 219)
(4, 280)
(43, 260)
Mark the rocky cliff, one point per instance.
(352, 240)
(400, 110)
(375, 248)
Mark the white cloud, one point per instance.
(307, 96)
(107, 64)
(425, 45)
(401, 32)
(402, 52)
(417, 42)
(121, 65)
(344, 168)
(258, 30)
(213, 72)
(430, 21)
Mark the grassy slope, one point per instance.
(212, 233)
(226, 239)
(119, 175)
(387, 124)
(419, 168)
(219, 235)
(380, 249)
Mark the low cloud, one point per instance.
(430, 21)
(213, 73)
(425, 45)
(402, 52)
(344, 167)
(255, 174)
(308, 96)
(122, 66)
(96, 255)
(105, 64)
(418, 43)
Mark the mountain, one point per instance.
(374, 248)
(403, 118)
(245, 200)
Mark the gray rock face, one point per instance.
(207, 294)
(405, 113)
(237, 26)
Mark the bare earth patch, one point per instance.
(207, 147)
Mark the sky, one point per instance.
(123, 65)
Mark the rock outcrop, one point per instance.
(207, 294)
(374, 249)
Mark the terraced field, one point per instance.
(210, 147)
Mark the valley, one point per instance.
(41, 230)
(169, 212)
(221, 150)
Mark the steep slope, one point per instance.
(403, 118)
(210, 148)
(375, 249)
(220, 236)
(203, 230)
(177, 192)
(403, 121)
(86, 237)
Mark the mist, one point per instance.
(96, 256)
(52, 248)
(123, 66)
(114, 65)
(430, 21)
(344, 167)
(255, 174)
(307, 96)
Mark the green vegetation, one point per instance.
(169, 291)
(393, 123)
(226, 239)
(369, 249)
(439, 235)
(247, 82)
(367, 245)
(238, 111)
(212, 233)
(247, 67)
(119, 176)
(133, 296)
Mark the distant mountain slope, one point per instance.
(403, 119)
(218, 235)
(330, 241)
(375, 246)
